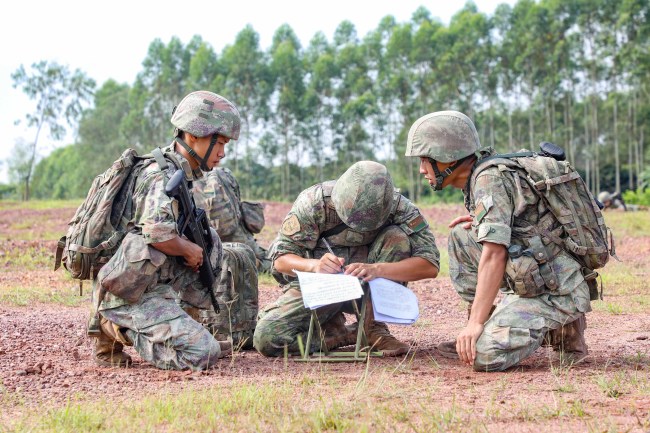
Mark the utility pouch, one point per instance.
(253, 216)
(591, 278)
(523, 276)
(541, 255)
(132, 269)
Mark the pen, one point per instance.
(327, 245)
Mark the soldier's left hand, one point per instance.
(367, 271)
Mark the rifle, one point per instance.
(193, 223)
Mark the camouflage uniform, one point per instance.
(405, 234)
(506, 211)
(218, 193)
(153, 320)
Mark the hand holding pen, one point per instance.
(333, 263)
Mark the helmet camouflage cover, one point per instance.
(205, 113)
(364, 196)
(604, 196)
(443, 136)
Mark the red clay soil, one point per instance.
(46, 357)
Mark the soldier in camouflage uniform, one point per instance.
(150, 315)
(373, 231)
(218, 193)
(504, 211)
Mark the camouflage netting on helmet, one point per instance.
(205, 113)
(363, 196)
(443, 136)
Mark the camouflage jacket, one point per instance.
(155, 215)
(313, 213)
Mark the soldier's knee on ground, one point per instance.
(268, 343)
(501, 346)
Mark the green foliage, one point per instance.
(571, 73)
(59, 94)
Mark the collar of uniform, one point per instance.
(185, 164)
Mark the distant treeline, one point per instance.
(574, 72)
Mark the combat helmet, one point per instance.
(364, 196)
(604, 197)
(443, 136)
(204, 114)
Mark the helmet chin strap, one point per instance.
(440, 177)
(202, 161)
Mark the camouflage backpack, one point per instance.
(103, 219)
(237, 294)
(585, 235)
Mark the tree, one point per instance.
(59, 94)
(20, 166)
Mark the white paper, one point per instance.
(325, 289)
(393, 303)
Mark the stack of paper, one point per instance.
(325, 289)
(393, 303)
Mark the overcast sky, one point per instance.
(110, 39)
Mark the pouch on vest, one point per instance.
(253, 216)
(132, 270)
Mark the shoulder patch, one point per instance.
(417, 223)
(290, 226)
(483, 208)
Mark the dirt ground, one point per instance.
(45, 357)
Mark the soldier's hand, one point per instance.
(367, 271)
(329, 264)
(465, 218)
(193, 256)
(466, 342)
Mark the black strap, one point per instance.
(506, 156)
(333, 231)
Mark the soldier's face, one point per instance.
(218, 152)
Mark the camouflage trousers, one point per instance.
(245, 237)
(280, 323)
(518, 325)
(163, 333)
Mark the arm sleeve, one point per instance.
(301, 227)
(415, 225)
(493, 214)
(156, 212)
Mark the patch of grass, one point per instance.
(621, 278)
(24, 296)
(26, 257)
(632, 224)
(39, 204)
(444, 263)
(612, 385)
(266, 279)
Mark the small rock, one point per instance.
(642, 337)
(21, 373)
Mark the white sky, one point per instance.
(109, 39)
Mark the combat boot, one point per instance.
(338, 334)
(108, 351)
(380, 338)
(569, 341)
(447, 349)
